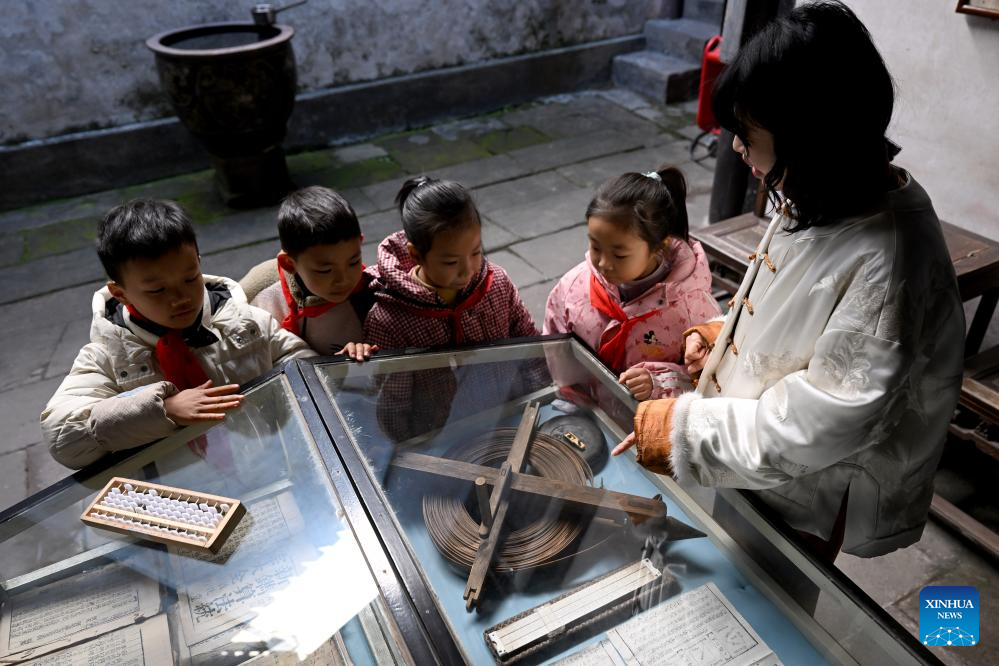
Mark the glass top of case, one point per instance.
(73, 593)
(539, 547)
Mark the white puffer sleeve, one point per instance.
(284, 345)
(89, 415)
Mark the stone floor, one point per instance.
(532, 169)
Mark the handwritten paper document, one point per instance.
(260, 558)
(698, 628)
(74, 609)
(146, 644)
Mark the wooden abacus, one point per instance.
(166, 514)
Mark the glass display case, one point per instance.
(432, 507)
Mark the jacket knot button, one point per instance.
(144, 368)
(123, 373)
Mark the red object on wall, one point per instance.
(711, 67)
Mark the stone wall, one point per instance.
(74, 65)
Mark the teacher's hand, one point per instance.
(695, 353)
(628, 442)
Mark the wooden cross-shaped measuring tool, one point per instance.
(508, 478)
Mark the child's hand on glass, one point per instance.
(202, 403)
(638, 381)
(359, 351)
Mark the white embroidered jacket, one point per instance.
(845, 372)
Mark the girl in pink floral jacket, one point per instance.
(642, 285)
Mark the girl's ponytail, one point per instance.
(429, 206)
(411, 185)
(676, 204)
(654, 204)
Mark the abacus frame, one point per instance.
(216, 535)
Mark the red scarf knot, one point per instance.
(454, 313)
(614, 349)
(296, 313)
(182, 368)
(177, 362)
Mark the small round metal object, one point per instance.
(583, 429)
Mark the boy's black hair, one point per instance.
(141, 229)
(429, 206)
(653, 207)
(315, 216)
(815, 80)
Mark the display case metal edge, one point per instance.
(393, 583)
(105, 551)
(766, 521)
(741, 559)
(448, 651)
(80, 484)
(398, 576)
(140, 455)
(415, 581)
(763, 519)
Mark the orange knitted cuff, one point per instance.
(653, 421)
(709, 331)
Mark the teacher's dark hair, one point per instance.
(815, 80)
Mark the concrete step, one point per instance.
(658, 76)
(682, 38)
(712, 11)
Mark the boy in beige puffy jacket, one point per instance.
(168, 347)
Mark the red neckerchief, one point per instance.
(177, 362)
(296, 312)
(613, 351)
(182, 368)
(454, 313)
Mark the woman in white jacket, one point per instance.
(831, 383)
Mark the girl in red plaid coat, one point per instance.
(435, 289)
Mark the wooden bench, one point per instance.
(976, 261)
